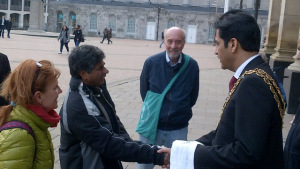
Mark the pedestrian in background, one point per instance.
(8, 26)
(162, 38)
(77, 35)
(2, 26)
(105, 33)
(64, 38)
(32, 89)
(109, 36)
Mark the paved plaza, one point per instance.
(124, 60)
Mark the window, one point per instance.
(211, 33)
(112, 23)
(171, 23)
(93, 21)
(131, 25)
(3, 2)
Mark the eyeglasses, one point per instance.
(37, 71)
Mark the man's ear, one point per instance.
(233, 44)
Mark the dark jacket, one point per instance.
(176, 110)
(292, 145)
(8, 24)
(77, 35)
(92, 140)
(3, 101)
(249, 134)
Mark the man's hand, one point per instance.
(167, 152)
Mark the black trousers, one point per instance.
(62, 44)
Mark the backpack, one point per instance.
(17, 124)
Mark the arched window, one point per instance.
(131, 25)
(112, 23)
(171, 23)
(59, 23)
(93, 21)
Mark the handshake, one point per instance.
(167, 152)
(181, 154)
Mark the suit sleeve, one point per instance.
(93, 131)
(254, 104)
(207, 139)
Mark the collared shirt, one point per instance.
(2, 21)
(169, 61)
(241, 68)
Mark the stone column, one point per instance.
(36, 22)
(292, 82)
(8, 5)
(287, 36)
(21, 21)
(272, 28)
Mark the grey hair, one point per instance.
(84, 58)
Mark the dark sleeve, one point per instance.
(207, 139)
(144, 82)
(254, 106)
(93, 131)
(195, 90)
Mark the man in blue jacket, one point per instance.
(176, 110)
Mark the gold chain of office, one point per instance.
(270, 82)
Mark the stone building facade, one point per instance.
(146, 19)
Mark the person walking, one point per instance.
(109, 36)
(77, 35)
(162, 38)
(32, 89)
(2, 26)
(249, 133)
(92, 135)
(105, 33)
(8, 26)
(64, 38)
(176, 109)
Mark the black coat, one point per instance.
(3, 102)
(249, 134)
(8, 24)
(292, 145)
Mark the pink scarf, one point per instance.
(50, 117)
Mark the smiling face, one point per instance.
(224, 53)
(174, 42)
(96, 77)
(50, 95)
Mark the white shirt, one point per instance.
(238, 72)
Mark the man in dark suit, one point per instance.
(2, 26)
(8, 26)
(249, 133)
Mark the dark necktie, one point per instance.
(232, 82)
